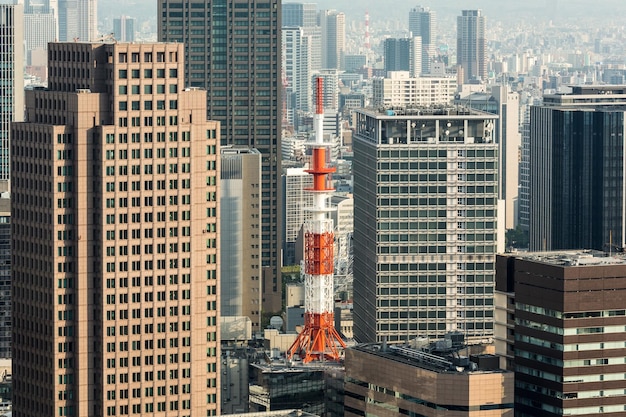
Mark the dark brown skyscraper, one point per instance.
(560, 321)
(232, 49)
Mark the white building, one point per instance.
(399, 89)
(301, 57)
(296, 203)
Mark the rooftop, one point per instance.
(446, 360)
(579, 258)
(436, 110)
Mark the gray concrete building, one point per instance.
(425, 223)
(240, 237)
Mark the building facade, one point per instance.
(301, 46)
(124, 29)
(115, 228)
(39, 29)
(403, 55)
(297, 205)
(78, 20)
(11, 78)
(397, 381)
(504, 103)
(423, 24)
(576, 195)
(299, 14)
(241, 72)
(5, 276)
(471, 45)
(399, 89)
(425, 223)
(240, 238)
(333, 26)
(568, 334)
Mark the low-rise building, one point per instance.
(393, 381)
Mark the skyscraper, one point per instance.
(11, 78)
(240, 240)
(333, 25)
(233, 50)
(471, 45)
(78, 20)
(425, 214)
(5, 275)
(299, 14)
(124, 29)
(403, 55)
(576, 193)
(505, 103)
(301, 46)
(115, 258)
(423, 24)
(39, 29)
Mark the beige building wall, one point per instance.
(385, 385)
(116, 257)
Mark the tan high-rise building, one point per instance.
(115, 261)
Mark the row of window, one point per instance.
(147, 105)
(148, 73)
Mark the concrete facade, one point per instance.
(568, 322)
(425, 223)
(240, 238)
(385, 383)
(115, 227)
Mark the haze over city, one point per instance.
(259, 208)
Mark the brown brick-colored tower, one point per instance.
(115, 258)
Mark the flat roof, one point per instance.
(578, 258)
(420, 359)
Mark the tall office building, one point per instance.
(471, 45)
(504, 103)
(425, 214)
(115, 227)
(301, 47)
(299, 14)
(333, 26)
(124, 29)
(576, 195)
(39, 30)
(403, 55)
(240, 238)
(567, 336)
(235, 55)
(423, 24)
(78, 20)
(5, 274)
(11, 78)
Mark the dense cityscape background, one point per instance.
(267, 208)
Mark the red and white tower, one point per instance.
(319, 339)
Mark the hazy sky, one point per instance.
(505, 10)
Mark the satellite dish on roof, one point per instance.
(276, 322)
